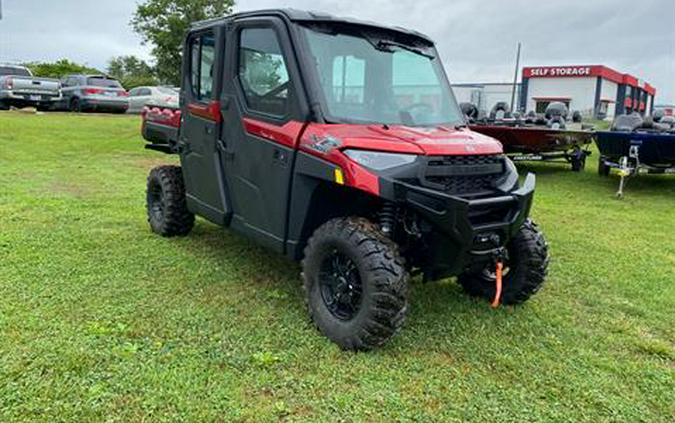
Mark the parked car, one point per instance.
(83, 93)
(19, 88)
(140, 97)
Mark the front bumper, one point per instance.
(465, 232)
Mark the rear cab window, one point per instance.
(202, 66)
(14, 71)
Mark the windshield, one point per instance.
(372, 79)
(14, 71)
(103, 82)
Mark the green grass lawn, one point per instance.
(101, 319)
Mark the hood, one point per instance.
(402, 139)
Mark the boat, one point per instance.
(536, 137)
(636, 146)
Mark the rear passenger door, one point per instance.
(200, 127)
(263, 114)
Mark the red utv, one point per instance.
(339, 143)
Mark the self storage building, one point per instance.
(594, 90)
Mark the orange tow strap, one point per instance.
(498, 283)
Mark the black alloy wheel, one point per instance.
(341, 288)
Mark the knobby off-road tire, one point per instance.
(356, 285)
(168, 214)
(527, 267)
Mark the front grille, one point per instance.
(466, 160)
(463, 175)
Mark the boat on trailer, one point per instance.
(536, 138)
(636, 146)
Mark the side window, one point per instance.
(144, 92)
(202, 61)
(262, 71)
(134, 92)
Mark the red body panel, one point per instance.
(287, 134)
(311, 138)
(210, 111)
(400, 139)
(163, 115)
(534, 140)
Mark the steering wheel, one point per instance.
(424, 109)
(414, 106)
(273, 92)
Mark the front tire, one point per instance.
(355, 282)
(525, 269)
(168, 214)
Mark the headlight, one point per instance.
(379, 161)
(508, 181)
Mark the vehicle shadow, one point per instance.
(438, 308)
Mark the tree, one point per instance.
(163, 24)
(131, 71)
(59, 69)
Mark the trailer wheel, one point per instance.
(356, 285)
(603, 168)
(168, 214)
(524, 271)
(578, 163)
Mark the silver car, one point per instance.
(140, 97)
(83, 93)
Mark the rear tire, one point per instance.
(4, 106)
(168, 214)
(525, 270)
(356, 285)
(75, 105)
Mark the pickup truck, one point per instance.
(19, 88)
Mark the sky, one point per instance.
(476, 38)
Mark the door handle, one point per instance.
(280, 157)
(183, 146)
(225, 152)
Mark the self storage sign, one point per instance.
(560, 71)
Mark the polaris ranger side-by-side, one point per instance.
(339, 143)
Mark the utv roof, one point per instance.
(308, 16)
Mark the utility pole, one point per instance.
(515, 79)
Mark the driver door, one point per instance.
(261, 127)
